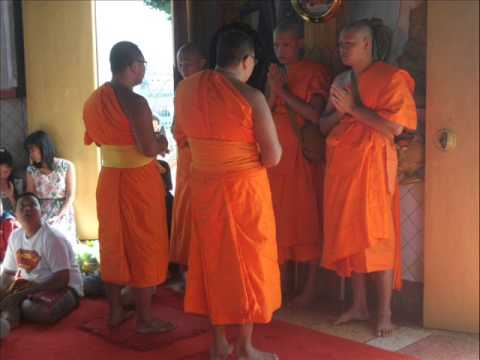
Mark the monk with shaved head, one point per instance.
(368, 106)
(297, 91)
(130, 191)
(233, 276)
(190, 60)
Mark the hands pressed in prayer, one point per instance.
(277, 79)
(342, 99)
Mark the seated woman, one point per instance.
(41, 281)
(53, 180)
(7, 225)
(7, 189)
(8, 197)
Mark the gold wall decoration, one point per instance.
(316, 11)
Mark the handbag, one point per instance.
(310, 137)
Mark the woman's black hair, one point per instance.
(6, 159)
(41, 140)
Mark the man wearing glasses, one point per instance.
(130, 191)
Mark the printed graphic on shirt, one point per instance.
(27, 259)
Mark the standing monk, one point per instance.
(368, 106)
(130, 191)
(303, 88)
(233, 276)
(189, 61)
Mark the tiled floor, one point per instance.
(409, 339)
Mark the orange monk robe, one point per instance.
(130, 202)
(180, 237)
(318, 180)
(361, 191)
(296, 183)
(233, 272)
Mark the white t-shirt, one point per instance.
(38, 257)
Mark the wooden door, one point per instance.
(451, 190)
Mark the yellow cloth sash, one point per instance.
(223, 156)
(125, 156)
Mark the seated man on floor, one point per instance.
(40, 279)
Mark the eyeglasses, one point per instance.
(141, 61)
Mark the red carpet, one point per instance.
(66, 341)
(186, 326)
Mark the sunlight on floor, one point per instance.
(424, 344)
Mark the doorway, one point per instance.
(151, 30)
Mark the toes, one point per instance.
(157, 327)
(384, 332)
(120, 320)
(223, 355)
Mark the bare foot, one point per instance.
(351, 315)
(118, 318)
(254, 354)
(384, 325)
(221, 352)
(127, 298)
(155, 326)
(303, 300)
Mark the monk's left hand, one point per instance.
(342, 99)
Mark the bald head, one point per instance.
(288, 42)
(122, 55)
(360, 29)
(233, 47)
(375, 36)
(355, 47)
(190, 59)
(292, 28)
(190, 49)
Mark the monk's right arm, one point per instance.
(265, 131)
(329, 118)
(145, 139)
(179, 135)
